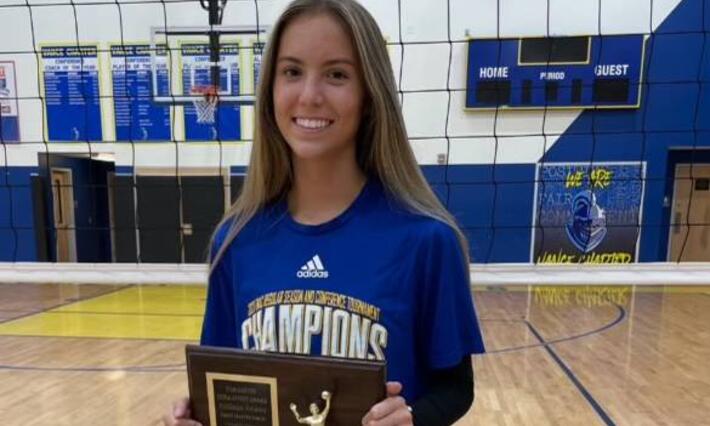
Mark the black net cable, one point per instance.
(37, 56)
(478, 136)
(388, 43)
(130, 103)
(215, 10)
(443, 89)
(694, 148)
(644, 93)
(5, 182)
(496, 140)
(400, 43)
(419, 91)
(595, 111)
(85, 99)
(539, 183)
(134, 183)
(96, 3)
(173, 139)
(447, 160)
(136, 196)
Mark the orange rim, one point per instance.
(209, 92)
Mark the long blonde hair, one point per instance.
(383, 148)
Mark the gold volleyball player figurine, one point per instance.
(316, 418)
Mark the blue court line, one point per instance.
(619, 318)
(580, 387)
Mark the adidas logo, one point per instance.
(313, 269)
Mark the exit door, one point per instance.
(690, 218)
(63, 209)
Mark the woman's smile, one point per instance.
(312, 124)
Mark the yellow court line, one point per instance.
(50, 324)
(168, 300)
(140, 312)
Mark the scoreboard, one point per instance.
(555, 72)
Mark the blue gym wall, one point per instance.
(494, 203)
(674, 113)
(17, 237)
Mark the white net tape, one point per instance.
(661, 273)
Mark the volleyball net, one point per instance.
(556, 133)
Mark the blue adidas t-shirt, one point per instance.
(377, 282)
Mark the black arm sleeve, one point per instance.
(449, 398)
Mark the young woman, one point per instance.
(337, 246)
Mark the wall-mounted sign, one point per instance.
(71, 93)
(137, 116)
(9, 111)
(587, 213)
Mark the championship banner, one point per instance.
(9, 115)
(587, 213)
(137, 117)
(196, 72)
(71, 90)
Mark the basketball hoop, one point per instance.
(205, 103)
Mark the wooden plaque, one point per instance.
(233, 387)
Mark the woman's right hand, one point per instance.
(180, 414)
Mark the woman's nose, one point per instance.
(311, 92)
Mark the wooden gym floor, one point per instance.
(114, 355)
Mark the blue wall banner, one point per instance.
(71, 90)
(587, 213)
(196, 72)
(9, 111)
(137, 117)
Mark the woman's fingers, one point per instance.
(181, 408)
(183, 422)
(180, 414)
(391, 411)
(394, 388)
(169, 420)
(399, 417)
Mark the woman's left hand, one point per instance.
(392, 411)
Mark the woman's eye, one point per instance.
(338, 75)
(291, 72)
